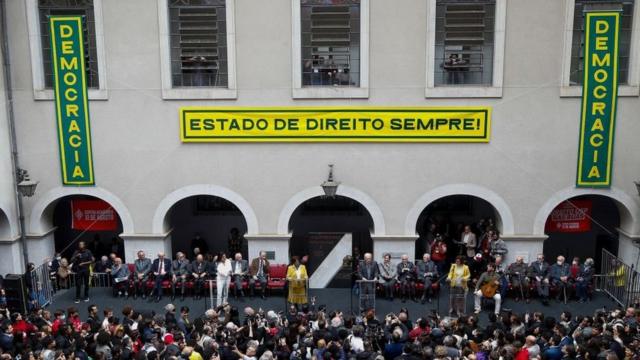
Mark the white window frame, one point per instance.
(194, 93)
(329, 92)
(40, 92)
(633, 79)
(467, 91)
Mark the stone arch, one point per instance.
(504, 212)
(41, 219)
(343, 190)
(160, 223)
(627, 207)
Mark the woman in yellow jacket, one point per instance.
(297, 278)
(458, 277)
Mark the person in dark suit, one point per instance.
(259, 271)
(584, 280)
(559, 274)
(180, 270)
(240, 269)
(199, 271)
(161, 270)
(82, 260)
(368, 271)
(427, 274)
(540, 273)
(406, 277)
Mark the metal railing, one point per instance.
(618, 280)
(40, 287)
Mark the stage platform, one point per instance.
(334, 298)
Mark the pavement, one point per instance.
(333, 298)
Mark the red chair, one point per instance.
(277, 276)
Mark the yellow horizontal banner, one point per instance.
(335, 124)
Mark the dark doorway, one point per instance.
(319, 223)
(100, 242)
(602, 233)
(206, 220)
(447, 216)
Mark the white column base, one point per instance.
(629, 248)
(11, 256)
(41, 247)
(278, 244)
(151, 244)
(396, 245)
(527, 246)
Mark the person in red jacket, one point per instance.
(20, 325)
(421, 329)
(439, 253)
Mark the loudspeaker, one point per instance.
(16, 290)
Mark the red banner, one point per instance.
(94, 215)
(570, 216)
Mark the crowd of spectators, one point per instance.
(308, 333)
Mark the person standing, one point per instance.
(235, 242)
(240, 269)
(199, 243)
(81, 259)
(297, 279)
(142, 268)
(161, 269)
(439, 253)
(223, 271)
(468, 239)
(259, 271)
(388, 275)
(540, 272)
(458, 278)
(427, 273)
(368, 274)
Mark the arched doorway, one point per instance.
(86, 218)
(5, 226)
(582, 226)
(448, 215)
(206, 222)
(319, 223)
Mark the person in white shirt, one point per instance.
(223, 277)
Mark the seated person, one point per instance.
(491, 280)
(407, 278)
(103, 265)
(199, 271)
(64, 273)
(559, 276)
(142, 269)
(518, 272)
(161, 269)
(181, 268)
(259, 272)
(583, 280)
(427, 274)
(387, 272)
(240, 270)
(120, 277)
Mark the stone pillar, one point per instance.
(276, 244)
(396, 245)
(11, 256)
(41, 246)
(151, 244)
(629, 248)
(528, 246)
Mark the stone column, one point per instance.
(396, 245)
(276, 246)
(528, 246)
(41, 246)
(151, 244)
(629, 248)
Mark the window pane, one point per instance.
(330, 34)
(464, 42)
(576, 76)
(47, 8)
(198, 41)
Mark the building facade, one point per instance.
(518, 57)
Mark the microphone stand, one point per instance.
(440, 293)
